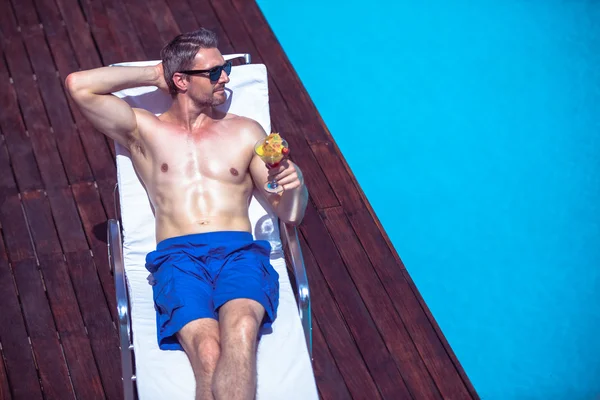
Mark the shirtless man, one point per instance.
(214, 286)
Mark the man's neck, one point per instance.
(188, 115)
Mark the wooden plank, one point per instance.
(163, 18)
(390, 270)
(123, 31)
(41, 225)
(66, 219)
(94, 220)
(102, 332)
(206, 18)
(97, 19)
(17, 142)
(106, 188)
(69, 322)
(92, 213)
(61, 121)
(62, 126)
(96, 146)
(4, 388)
(62, 297)
(20, 365)
(7, 182)
(294, 133)
(380, 307)
(42, 331)
(14, 226)
(360, 323)
(183, 15)
(34, 114)
(343, 347)
(79, 31)
(299, 103)
(327, 374)
(142, 22)
(333, 166)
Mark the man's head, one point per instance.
(187, 63)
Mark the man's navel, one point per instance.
(164, 167)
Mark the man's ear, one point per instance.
(181, 81)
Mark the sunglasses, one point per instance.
(213, 74)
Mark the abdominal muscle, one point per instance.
(190, 208)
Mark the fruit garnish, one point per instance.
(272, 146)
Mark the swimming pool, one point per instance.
(491, 193)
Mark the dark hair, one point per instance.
(179, 53)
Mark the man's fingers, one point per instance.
(281, 170)
(288, 179)
(295, 178)
(289, 186)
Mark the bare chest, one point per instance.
(190, 159)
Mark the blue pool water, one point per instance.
(492, 196)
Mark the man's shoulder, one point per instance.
(244, 126)
(241, 120)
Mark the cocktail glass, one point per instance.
(272, 156)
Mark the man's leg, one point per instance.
(235, 376)
(200, 340)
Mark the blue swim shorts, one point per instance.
(194, 275)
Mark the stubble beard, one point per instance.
(212, 101)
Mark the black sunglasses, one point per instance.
(213, 74)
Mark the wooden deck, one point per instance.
(373, 334)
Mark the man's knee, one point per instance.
(208, 350)
(244, 327)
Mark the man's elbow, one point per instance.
(74, 84)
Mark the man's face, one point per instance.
(201, 89)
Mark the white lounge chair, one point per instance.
(285, 353)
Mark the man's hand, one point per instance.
(287, 174)
(160, 78)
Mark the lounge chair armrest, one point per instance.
(115, 257)
(304, 309)
(246, 56)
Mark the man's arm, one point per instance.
(91, 90)
(291, 204)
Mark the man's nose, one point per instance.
(224, 78)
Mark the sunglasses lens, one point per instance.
(215, 73)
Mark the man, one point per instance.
(214, 285)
